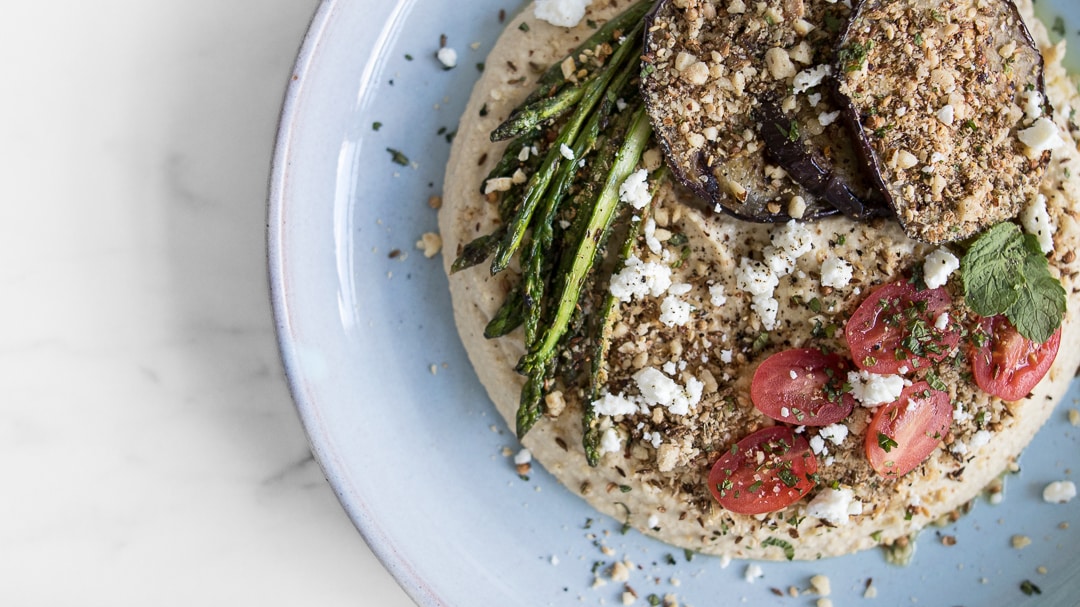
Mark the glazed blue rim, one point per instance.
(352, 501)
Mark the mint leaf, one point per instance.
(1038, 311)
(992, 270)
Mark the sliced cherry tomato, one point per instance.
(802, 387)
(906, 431)
(764, 472)
(896, 327)
(1007, 364)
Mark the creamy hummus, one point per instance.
(683, 355)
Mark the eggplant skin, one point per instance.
(936, 94)
(706, 67)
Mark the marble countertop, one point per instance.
(149, 445)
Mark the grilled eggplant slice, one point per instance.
(804, 163)
(939, 94)
(708, 66)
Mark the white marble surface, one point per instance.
(148, 445)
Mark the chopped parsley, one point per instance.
(1029, 588)
(791, 132)
(760, 342)
(789, 550)
(398, 157)
(787, 477)
(1059, 26)
(853, 57)
(936, 382)
(886, 442)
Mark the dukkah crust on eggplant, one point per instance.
(709, 65)
(657, 481)
(939, 93)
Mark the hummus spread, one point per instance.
(707, 297)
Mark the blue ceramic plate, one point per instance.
(404, 431)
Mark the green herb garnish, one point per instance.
(1029, 589)
(853, 57)
(398, 157)
(1005, 272)
(886, 442)
(935, 382)
(789, 550)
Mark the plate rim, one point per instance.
(281, 166)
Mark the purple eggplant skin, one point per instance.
(728, 172)
(947, 177)
(786, 147)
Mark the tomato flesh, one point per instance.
(896, 327)
(1007, 364)
(764, 472)
(903, 433)
(802, 387)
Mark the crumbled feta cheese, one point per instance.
(960, 415)
(680, 288)
(614, 404)
(498, 184)
(766, 308)
(814, 99)
(942, 321)
(753, 572)
(638, 279)
(635, 189)
(836, 272)
(755, 277)
(653, 438)
(447, 56)
(938, 266)
(1041, 136)
(1033, 105)
(659, 389)
(725, 356)
(1059, 492)
(980, 438)
(789, 243)
(817, 445)
(566, 151)
(674, 311)
(522, 457)
(610, 441)
(834, 505)
(809, 78)
(563, 13)
(1036, 221)
(871, 389)
(834, 432)
(716, 295)
(651, 240)
(827, 118)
